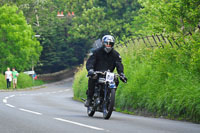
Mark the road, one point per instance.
(51, 109)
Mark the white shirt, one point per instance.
(8, 75)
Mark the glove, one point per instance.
(123, 78)
(91, 72)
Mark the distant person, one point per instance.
(8, 77)
(14, 75)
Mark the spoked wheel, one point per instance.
(90, 111)
(108, 106)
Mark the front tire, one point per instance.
(109, 105)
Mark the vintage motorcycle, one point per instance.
(104, 93)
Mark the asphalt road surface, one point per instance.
(51, 109)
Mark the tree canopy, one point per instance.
(18, 46)
(66, 40)
(169, 16)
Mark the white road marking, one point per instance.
(5, 100)
(11, 96)
(29, 111)
(80, 124)
(10, 105)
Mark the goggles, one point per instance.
(109, 43)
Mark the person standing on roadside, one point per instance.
(14, 75)
(8, 77)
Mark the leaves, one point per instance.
(168, 16)
(18, 48)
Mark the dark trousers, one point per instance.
(8, 83)
(91, 85)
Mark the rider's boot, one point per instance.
(88, 102)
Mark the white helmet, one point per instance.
(108, 40)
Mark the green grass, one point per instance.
(2, 82)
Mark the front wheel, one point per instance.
(109, 105)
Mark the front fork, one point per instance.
(107, 91)
(105, 99)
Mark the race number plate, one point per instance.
(110, 77)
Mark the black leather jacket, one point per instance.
(102, 61)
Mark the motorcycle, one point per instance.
(103, 99)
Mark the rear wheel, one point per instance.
(109, 105)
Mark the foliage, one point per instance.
(18, 48)
(193, 49)
(89, 25)
(2, 82)
(80, 83)
(104, 17)
(26, 81)
(67, 40)
(57, 54)
(167, 16)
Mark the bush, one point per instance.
(80, 83)
(2, 82)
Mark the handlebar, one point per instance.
(104, 73)
(99, 72)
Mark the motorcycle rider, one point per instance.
(103, 59)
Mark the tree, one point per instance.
(67, 41)
(18, 46)
(170, 16)
(96, 18)
(58, 53)
(90, 25)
